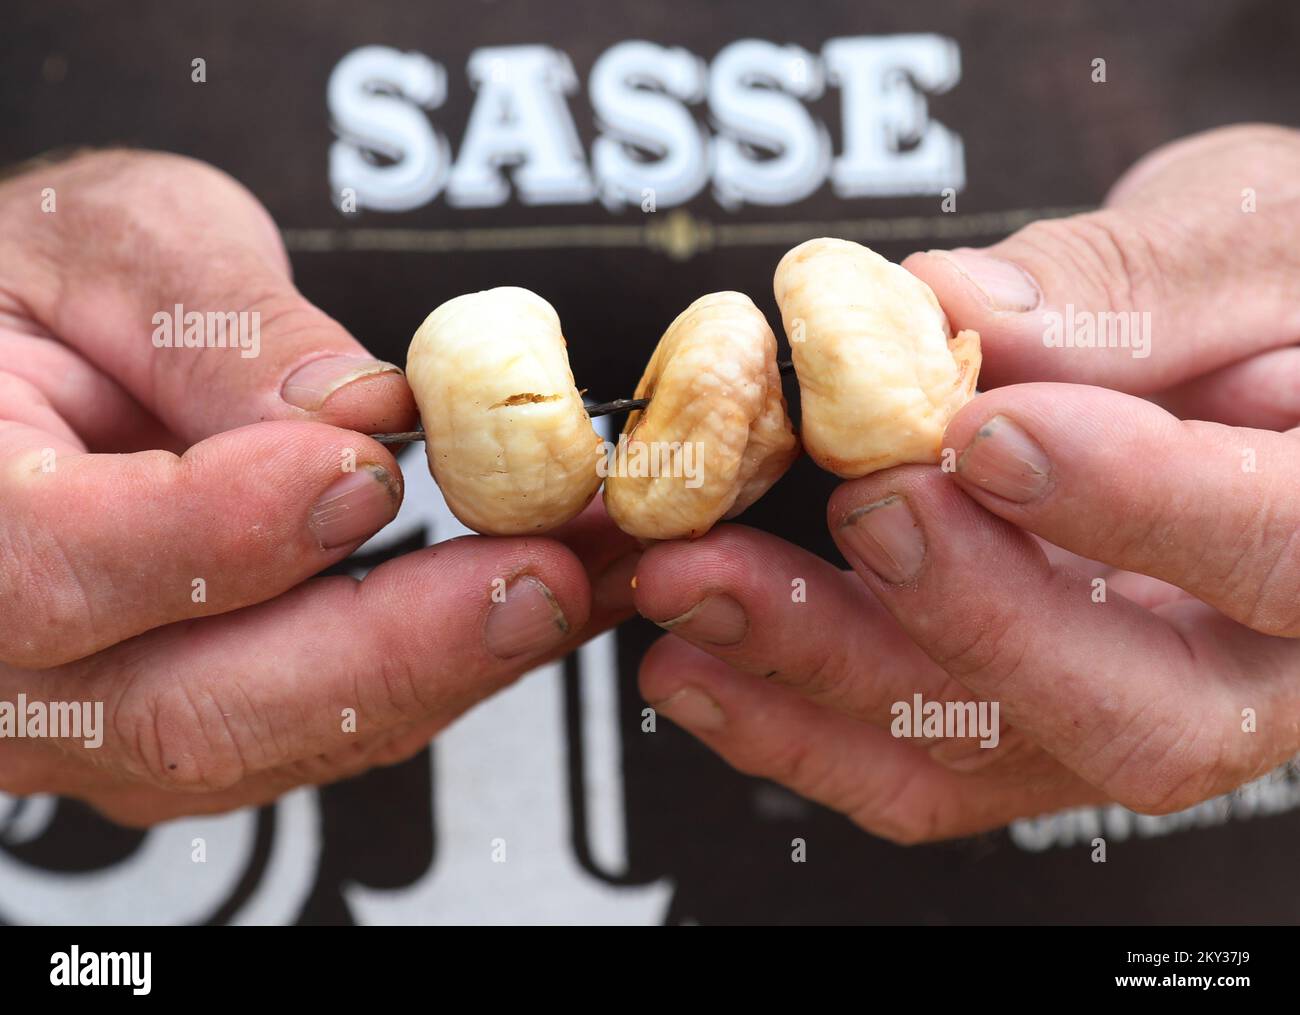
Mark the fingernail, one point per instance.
(527, 622)
(311, 385)
(1005, 460)
(693, 709)
(354, 507)
(886, 539)
(716, 620)
(1004, 286)
(612, 591)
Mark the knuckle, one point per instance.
(236, 283)
(1169, 769)
(1273, 599)
(810, 770)
(1158, 794)
(48, 615)
(792, 763)
(52, 577)
(827, 674)
(177, 741)
(173, 181)
(992, 647)
(900, 815)
(798, 765)
(140, 208)
(1139, 540)
(1113, 256)
(400, 692)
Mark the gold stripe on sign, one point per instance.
(679, 234)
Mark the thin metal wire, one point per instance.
(785, 366)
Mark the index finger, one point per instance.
(1123, 696)
(206, 704)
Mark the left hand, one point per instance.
(1140, 699)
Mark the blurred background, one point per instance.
(664, 150)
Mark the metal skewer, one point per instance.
(785, 366)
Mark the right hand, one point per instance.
(127, 472)
(1173, 681)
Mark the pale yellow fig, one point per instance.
(880, 372)
(716, 434)
(508, 439)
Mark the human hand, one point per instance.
(1175, 679)
(229, 692)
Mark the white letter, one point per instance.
(162, 334)
(891, 146)
(374, 98)
(142, 975)
(637, 90)
(93, 725)
(990, 724)
(520, 119)
(902, 724)
(754, 92)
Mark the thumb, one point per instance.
(171, 278)
(1188, 267)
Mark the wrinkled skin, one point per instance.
(1171, 477)
(176, 464)
(714, 385)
